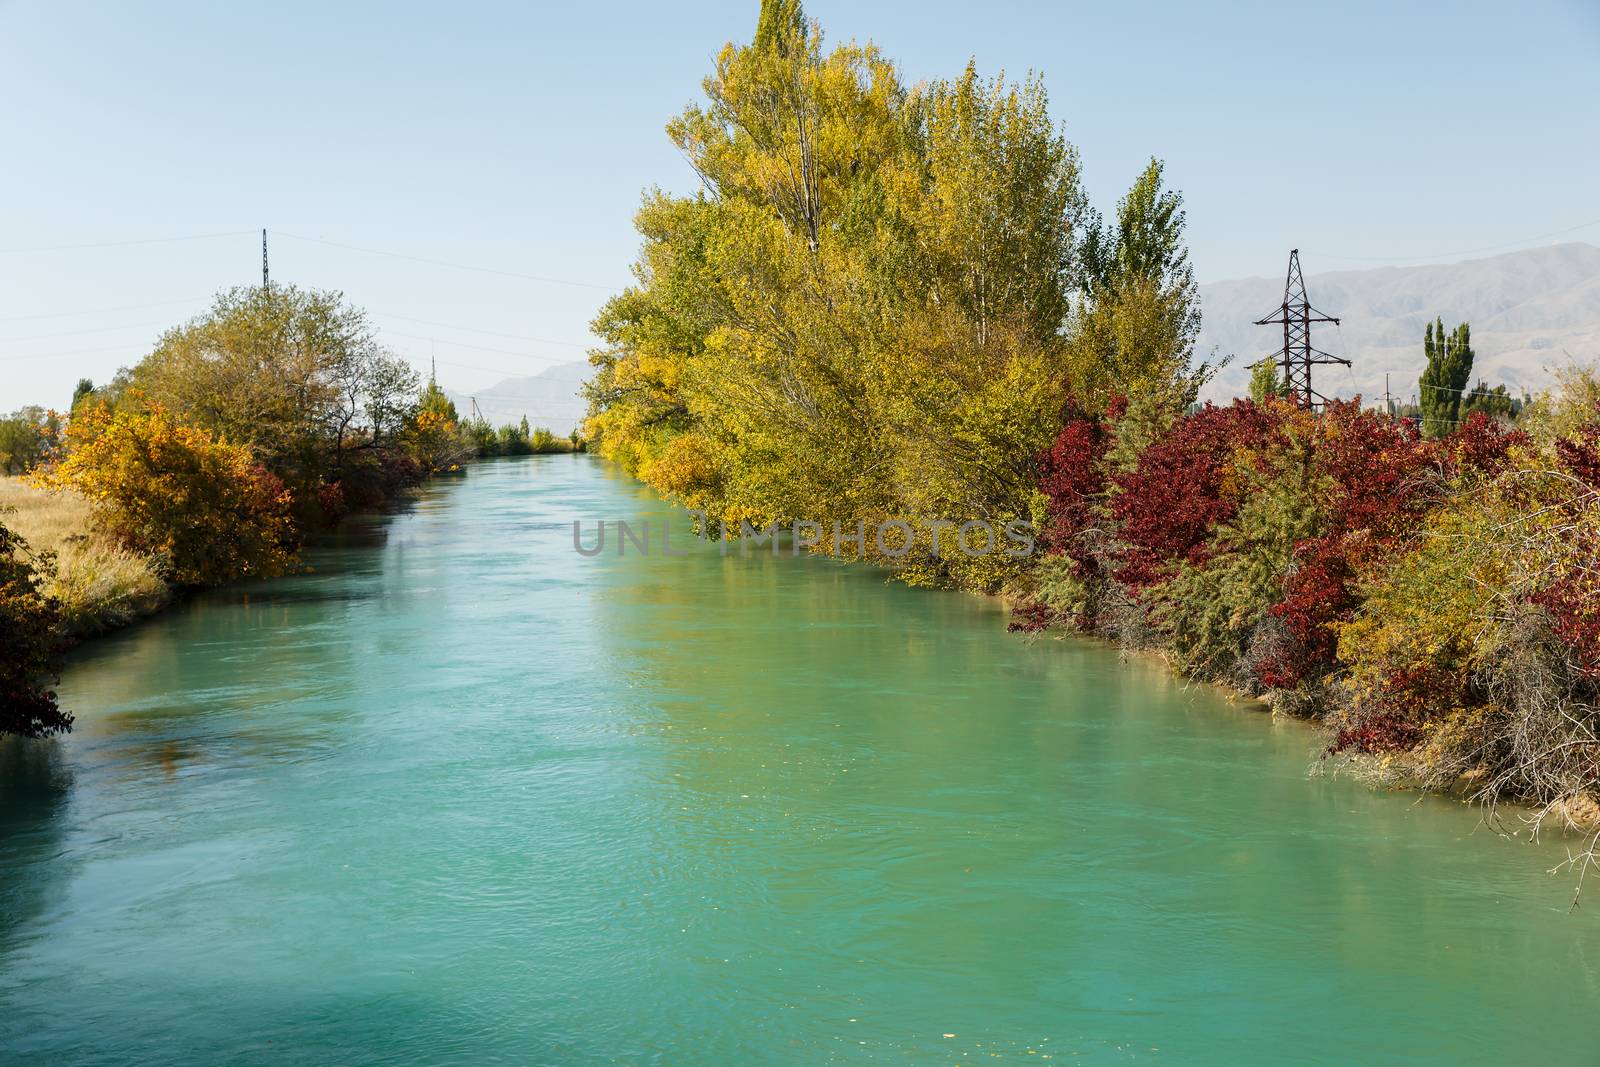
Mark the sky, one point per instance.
(386, 147)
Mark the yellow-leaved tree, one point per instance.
(203, 507)
(867, 312)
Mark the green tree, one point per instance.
(435, 401)
(1497, 403)
(1445, 378)
(84, 388)
(1264, 381)
(25, 437)
(1141, 310)
(29, 633)
(296, 374)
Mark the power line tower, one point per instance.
(1298, 357)
(263, 258)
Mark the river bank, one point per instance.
(100, 585)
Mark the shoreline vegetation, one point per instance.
(244, 433)
(894, 303)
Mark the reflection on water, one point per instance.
(459, 794)
(34, 784)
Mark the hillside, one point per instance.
(550, 399)
(1530, 311)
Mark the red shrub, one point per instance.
(1479, 444)
(1073, 478)
(1581, 457)
(1383, 733)
(1168, 506)
(331, 501)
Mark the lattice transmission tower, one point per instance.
(1298, 357)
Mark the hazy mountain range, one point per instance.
(1530, 311)
(550, 399)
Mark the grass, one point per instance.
(100, 584)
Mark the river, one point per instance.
(460, 794)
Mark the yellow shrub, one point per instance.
(204, 508)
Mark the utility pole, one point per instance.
(264, 282)
(1297, 358)
(1388, 404)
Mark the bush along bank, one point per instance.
(272, 416)
(1435, 603)
(892, 303)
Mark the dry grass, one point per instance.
(100, 585)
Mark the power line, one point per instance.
(456, 266)
(124, 244)
(72, 333)
(69, 352)
(475, 329)
(1474, 391)
(101, 311)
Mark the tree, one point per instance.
(297, 375)
(29, 633)
(433, 436)
(1497, 403)
(874, 309)
(83, 389)
(1264, 381)
(206, 509)
(1141, 308)
(1445, 377)
(25, 438)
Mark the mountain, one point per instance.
(1531, 312)
(550, 399)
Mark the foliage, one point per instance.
(519, 440)
(25, 437)
(1142, 310)
(297, 376)
(1445, 378)
(1437, 602)
(880, 302)
(204, 508)
(28, 636)
(1187, 482)
(1264, 382)
(1497, 403)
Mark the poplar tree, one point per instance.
(1264, 381)
(1445, 379)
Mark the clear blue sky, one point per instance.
(519, 137)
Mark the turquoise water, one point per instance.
(463, 796)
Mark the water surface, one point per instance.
(461, 795)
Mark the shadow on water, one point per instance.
(35, 785)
